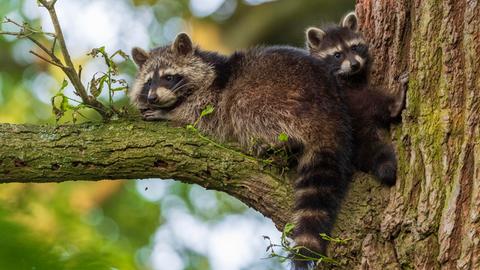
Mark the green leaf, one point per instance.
(94, 89)
(59, 108)
(337, 240)
(64, 85)
(191, 128)
(283, 137)
(122, 54)
(102, 81)
(288, 228)
(208, 110)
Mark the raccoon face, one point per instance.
(342, 47)
(169, 75)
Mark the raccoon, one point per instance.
(258, 94)
(346, 56)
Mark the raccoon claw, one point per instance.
(403, 78)
(399, 103)
(260, 149)
(153, 115)
(387, 174)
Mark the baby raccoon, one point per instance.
(257, 95)
(346, 56)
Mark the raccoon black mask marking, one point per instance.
(345, 53)
(244, 88)
(343, 49)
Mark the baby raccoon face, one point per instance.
(161, 90)
(342, 48)
(168, 75)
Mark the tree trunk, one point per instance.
(431, 218)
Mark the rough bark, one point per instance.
(430, 219)
(139, 150)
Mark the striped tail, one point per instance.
(323, 181)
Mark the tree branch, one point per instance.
(132, 150)
(51, 62)
(139, 150)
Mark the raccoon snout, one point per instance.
(355, 65)
(152, 97)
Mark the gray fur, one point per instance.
(257, 95)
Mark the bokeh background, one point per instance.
(145, 224)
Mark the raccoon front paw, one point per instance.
(399, 101)
(403, 78)
(386, 173)
(153, 115)
(260, 149)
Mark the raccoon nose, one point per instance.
(151, 98)
(355, 65)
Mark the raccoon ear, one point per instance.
(350, 21)
(314, 36)
(140, 56)
(183, 44)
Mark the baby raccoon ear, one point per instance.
(314, 37)
(350, 21)
(183, 44)
(140, 56)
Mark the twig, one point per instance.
(18, 34)
(67, 65)
(69, 69)
(54, 43)
(25, 26)
(50, 53)
(47, 60)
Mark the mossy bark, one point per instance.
(139, 150)
(431, 218)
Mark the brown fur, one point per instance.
(257, 95)
(372, 109)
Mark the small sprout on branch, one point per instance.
(283, 137)
(61, 105)
(288, 251)
(89, 99)
(108, 78)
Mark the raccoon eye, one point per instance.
(337, 55)
(148, 83)
(168, 78)
(354, 48)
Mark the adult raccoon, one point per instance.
(345, 54)
(257, 95)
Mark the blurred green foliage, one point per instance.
(110, 225)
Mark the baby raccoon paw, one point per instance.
(403, 78)
(153, 115)
(260, 149)
(386, 173)
(399, 99)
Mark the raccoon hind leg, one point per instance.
(384, 163)
(378, 158)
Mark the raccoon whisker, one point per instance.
(181, 87)
(178, 83)
(183, 95)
